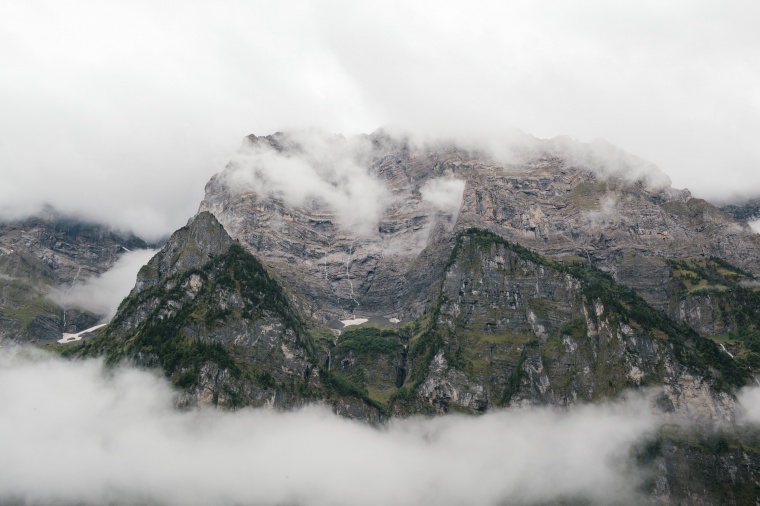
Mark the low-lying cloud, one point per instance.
(74, 432)
(102, 294)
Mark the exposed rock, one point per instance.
(549, 198)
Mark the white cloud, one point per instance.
(754, 225)
(102, 294)
(317, 170)
(123, 111)
(749, 398)
(607, 211)
(445, 194)
(82, 434)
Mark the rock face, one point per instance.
(515, 328)
(47, 253)
(210, 316)
(556, 199)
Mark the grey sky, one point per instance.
(122, 111)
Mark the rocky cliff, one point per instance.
(555, 197)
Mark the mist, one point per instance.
(444, 194)
(82, 433)
(122, 112)
(102, 294)
(317, 170)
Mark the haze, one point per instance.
(122, 111)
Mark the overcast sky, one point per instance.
(122, 110)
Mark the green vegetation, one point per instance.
(165, 339)
(735, 302)
(514, 381)
(342, 386)
(368, 341)
(624, 305)
(575, 328)
(587, 194)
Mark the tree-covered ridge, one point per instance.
(478, 346)
(733, 298)
(179, 335)
(624, 305)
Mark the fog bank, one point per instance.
(74, 432)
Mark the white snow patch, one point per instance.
(67, 338)
(394, 320)
(355, 321)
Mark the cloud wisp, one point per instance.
(87, 435)
(445, 194)
(102, 294)
(316, 171)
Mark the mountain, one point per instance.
(557, 200)
(47, 255)
(389, 278)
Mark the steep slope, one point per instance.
(514, 328)
(747, 211)
(45, 254)
(214, 320)
(508, 327)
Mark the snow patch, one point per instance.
(355, 321)
(68, 338)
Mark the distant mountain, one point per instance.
(746, 211)
(46, 255)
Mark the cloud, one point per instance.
(315, 170)
(85, 434)
(102, 294)
(122, 112)
(749, 398)
(607, 211)
(445, 194)
(755, 226)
